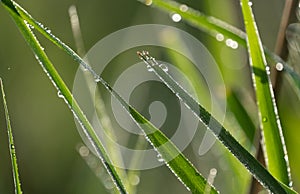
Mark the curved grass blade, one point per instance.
(178, 164)
(218, 28)
(274, 146)
(257, 170)
(67, 96)
(12, 149)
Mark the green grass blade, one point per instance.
(220, 132)
(12, 149)
(274, 146)
(214, 27)
(64, 91)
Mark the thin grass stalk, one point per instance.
(12, 149)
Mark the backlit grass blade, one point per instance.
(274, 146)
(12, 149)
(64, 91)
(257, 170)
(218, 28)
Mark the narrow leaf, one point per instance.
(274, 146)
(12, 148)
(257, 170)
(67, 96)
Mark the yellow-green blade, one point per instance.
(274, 146)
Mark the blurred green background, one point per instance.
(45, 133)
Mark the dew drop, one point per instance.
(250, 3)
(231, 43)
(176, 17)
(97, 79)
(164, 67)
(183, 8)
(159, 158)
(84, 151)
(60, 95)
(265, 119)
(268, 70)
(48, 30)
(134, 180)
(220, 37)
(30, 26)
(149, 68)
(210, 180)
(234, 45)
(108, 184)
(213, 172)
(148, 2)
(12, 146)
(279, 66)
(8, 68)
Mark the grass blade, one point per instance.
(274, 146)
(216, 27)
(64, 91)
(257, 170)
(12, 149)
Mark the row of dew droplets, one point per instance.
(228, 42)
(150, 61)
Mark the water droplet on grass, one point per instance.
(134, 180)
(97, 78)
(148, 2)
(159, 158)
(250, 3)
(164, 67)
(183, 8)
(176, 17)
(84, 151)
(60, 95)
(231, 43)
(265, 119)
(220, 37)
(268, 70)
(150, 68)
(279, 66)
